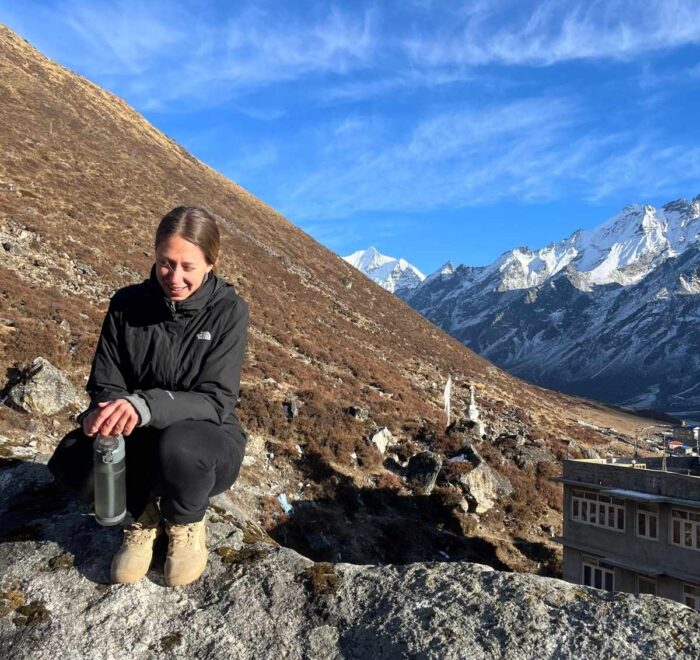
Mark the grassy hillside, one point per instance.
(92, 180)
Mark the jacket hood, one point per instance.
(209, 292)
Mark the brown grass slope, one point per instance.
(93, 178)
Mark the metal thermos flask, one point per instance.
(110, 479)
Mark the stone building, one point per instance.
(630, 525)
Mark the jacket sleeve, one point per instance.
(107, 381)
(214, 394)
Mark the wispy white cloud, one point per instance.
(533, 150)
(158, 53)
(124, 38)
(362, 88)
(512, 32)
(470, 134)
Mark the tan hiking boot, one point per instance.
(133, 560)
(187, 553)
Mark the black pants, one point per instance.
(183, 464)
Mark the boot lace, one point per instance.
(182, 535)
(139, 534)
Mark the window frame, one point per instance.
(683, 521)
(588, 507)
(647, 514)
(594, 564)
(688, 594)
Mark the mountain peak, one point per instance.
(624, 249)
(390, 273)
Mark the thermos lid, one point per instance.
(108, 441)
(109, 448)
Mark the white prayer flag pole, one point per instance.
(447, 396)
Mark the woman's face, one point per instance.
(180, 267)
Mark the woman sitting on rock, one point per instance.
(166, 374)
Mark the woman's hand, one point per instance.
(112, 418)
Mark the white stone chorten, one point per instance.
(473, 412)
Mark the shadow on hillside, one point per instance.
(543, 555)
(35, 509)
(378, 526)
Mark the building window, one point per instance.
(685, 528)
(647, 521)
(595, 575)
(646, 585)
(600, 510)
(691, 596)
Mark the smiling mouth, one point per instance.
(175, 290)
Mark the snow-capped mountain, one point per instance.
(611, 313)
(395, 275)
(623, 250)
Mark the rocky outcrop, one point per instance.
(483, 486)
(41, 388)
(260, 600)
(422, 471)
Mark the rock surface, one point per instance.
(422, 471)
(259, 600)
(483, 486)
(382, 439)
(43, 389)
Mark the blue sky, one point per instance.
(431, 130)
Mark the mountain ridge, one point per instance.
(638, 266)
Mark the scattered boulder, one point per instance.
(466, 453)
(483, 486)
(291, 407)
(13, 248)
(422, 471)
(83, 268)
(531, 455)
(394, 464)
(589, 452)
(550, 530)
(360, 414)
(507, 441)
(382, 438)
(42, 389)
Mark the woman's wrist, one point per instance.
(141, 406)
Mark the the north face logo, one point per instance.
(205, 335)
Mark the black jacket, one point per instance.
(182, 358)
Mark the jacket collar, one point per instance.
(191, 305)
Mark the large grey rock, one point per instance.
(530, 455)
(257, 600)
(360, 414)
(43, 389)
(483, 486)
(422, 471)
